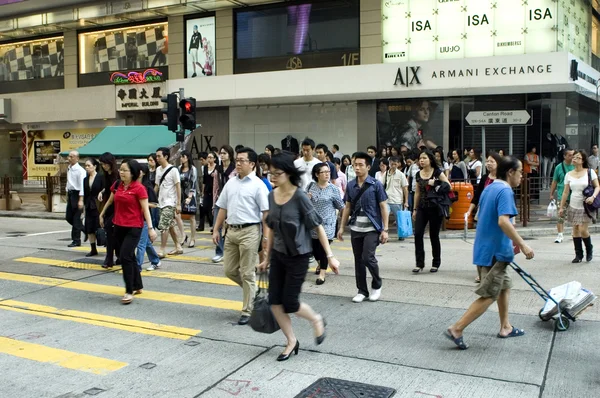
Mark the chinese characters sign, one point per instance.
(418, 30)
(133, 77)
(139, 97)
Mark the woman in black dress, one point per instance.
(189, 186)
(289, 246)
(111, 174)
(92, 185)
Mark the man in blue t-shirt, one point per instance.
(493, 251)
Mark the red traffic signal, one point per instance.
(188, 113)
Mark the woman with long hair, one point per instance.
(474, 168)
(579, 217)
(152, 169)
(440, 161)
(92, 185)
(208, 177)
(111, 173)
(347, 168)
(189, 202)
(131, 210)
(269, 149)
(326, 199)
(458, 169)
(226, 171)
(426, 212)
(291, 218)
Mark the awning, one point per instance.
(128, 141)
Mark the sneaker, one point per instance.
(375, 294)
(127, 298)
(311, 259)
(359, 298)
(217, 259)
(154, 267)
(559, 239)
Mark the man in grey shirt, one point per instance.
(593, 159)
(241, 203)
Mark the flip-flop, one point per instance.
(458, 340)
(514, 333)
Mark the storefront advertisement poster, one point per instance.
(44, 147)
(200, 44)
(410, 124)
(139, 97)
(418, 30)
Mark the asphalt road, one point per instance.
(64, 333)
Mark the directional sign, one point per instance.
(497, 118)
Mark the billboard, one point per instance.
(417, 30)
(200, 47)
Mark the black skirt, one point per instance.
(92, 221)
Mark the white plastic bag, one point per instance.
(552, 210)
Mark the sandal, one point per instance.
(161, 255)
(514, 333)
(417, 270)
(192, 243)
(456, 340)
(185, 240)
(176, 252)
(477, 279)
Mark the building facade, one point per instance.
(466, 73)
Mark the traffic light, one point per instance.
(171, 112)
(188, 113)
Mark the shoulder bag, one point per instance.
(588, 192)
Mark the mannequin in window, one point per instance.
(290, 144)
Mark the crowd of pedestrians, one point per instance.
(280, 211)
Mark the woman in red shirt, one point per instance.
(131, 208)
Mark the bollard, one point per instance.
(49, 192)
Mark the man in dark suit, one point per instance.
(372, 151)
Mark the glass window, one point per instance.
(125, 48)
(34, 59)
(297, 29)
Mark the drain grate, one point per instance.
(337, 388)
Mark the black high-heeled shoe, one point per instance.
(319, 339)
(285, 357)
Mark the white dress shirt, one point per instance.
(75, 176)
(244, 199)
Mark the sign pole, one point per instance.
(510, 140)
(483, 141)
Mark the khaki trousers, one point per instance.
(240, 258)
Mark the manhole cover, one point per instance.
(337, 388)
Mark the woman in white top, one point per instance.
(381, 175)
(575, 182)
(474, 166)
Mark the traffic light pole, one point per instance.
(180, 133)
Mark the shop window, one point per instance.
(125, 48)
(35, 59)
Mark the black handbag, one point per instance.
(262, 319)
(101, 237)
(190, 208)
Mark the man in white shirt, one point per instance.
(75, 176)
(396, 187)
(243, 204)
(336, 152)
(168, 188)
(593, 159)
(306, 163)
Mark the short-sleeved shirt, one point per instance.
(368, 202)
(394, 187)
(496, 200)
(128, 211)
(167, 191)
(326, 201)
(291, 224)
(577, 185)
(593, 162)
(244, 199)
(559, 176)
(305, 167)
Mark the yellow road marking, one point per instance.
(118, 291)
(215, 280)
(129, 325)
(63, 358)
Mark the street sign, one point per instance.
(498, 118)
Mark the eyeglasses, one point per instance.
(241, 160)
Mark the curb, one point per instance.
(527, 232)
(31, 215)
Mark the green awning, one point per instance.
(128, 141)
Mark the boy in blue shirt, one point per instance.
(493, 251)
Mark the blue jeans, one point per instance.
(219, 247)
(395, 208)
(145, 246)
